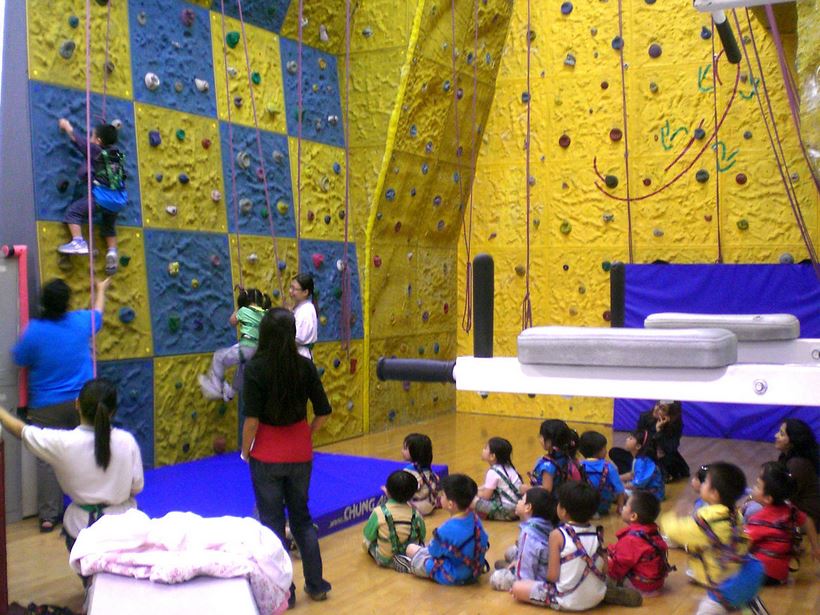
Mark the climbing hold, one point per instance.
(127, 315)
(655, 50)
(232, 39)
(608, 217)
(705, 33)
(256, 78)
(702, 176)
(367, 32)
(142, 18)
(117, 124)
(282, 207)
(73, 21)
(67, 49)
(531, 35)
(62, 185)
(446, 85)
(604, 85)
(650, 1)
(424, 168)
(440, 225)
(565, 267)
(109, 67)
(565, 228)
(323, 321)
(264, 213)
(271, 108)
(741, 178)
(611, 181)
(216, 196)
(340, 265)
(278, 157)
(282, 265)
(237, 101)
(245, 205)
(436, 347)
(657, 232)
(647, 181)
(317, 259)
(171, 210)
(569, 60)
(566, 8)
(253, 258)
(260, 174)
(206, 143)
(390, 195)
(180, 134)
(158, 177)
(323, 36)
(187, 17)
(178, 86)
(428, 147)
(151, 81)
(186, 447)
(243, 159)
(747, 134)
(536, 222)
(292, 67)
(786, 259)
(425, 316)
(582, 289)
(531, 180)
(173, 268)
(327, 218)
(525, 97)
(615, 134)
(201, 85)
(377, 261)
(437, 200)
(617, 43)
(194, 283)
(708, 217)
(337, 168)
(232, 72)
(322, 64)
(183, 178)
(653, 87)
(607, 315)
(520, 270)
(699, 133)
(564, 141)
(397, 226)
(593, 31)
(743, 224)
(606, 265)
(215, 260)
(310, 216)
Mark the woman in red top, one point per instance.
(774, 530)
(276, 438)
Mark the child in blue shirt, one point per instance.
(645, 472)
(455, 555)
(556, 466)
(600, 473)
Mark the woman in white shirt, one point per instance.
(100, 468)
(304, 311)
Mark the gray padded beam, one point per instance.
(747, 327)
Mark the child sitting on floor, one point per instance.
(455, 555)
(418, 449)
(576, 573)
(645, 472)
(556, 466)
(717, 548)
(395, 524)
(498, 497)
(527, 559)
(639, 558)
(600, 473)
(774, 531)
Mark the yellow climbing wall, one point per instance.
(808, 59)
(689, 202)
(422, 190)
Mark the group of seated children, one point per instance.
(560, 560)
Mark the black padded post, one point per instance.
(415, 370)
(617, 294)
(727, 37)
(483, 297)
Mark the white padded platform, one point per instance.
(112, 593)
(617, 347)
(747, 327)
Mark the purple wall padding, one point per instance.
(723, 289)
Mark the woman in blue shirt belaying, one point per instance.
(55, 348)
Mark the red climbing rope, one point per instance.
(231, 148)
(526, 304)
(774, 138)
(715, 58)
(259, 151)
(346, 299)
(299, 118)
(626, 132)
(88, 182)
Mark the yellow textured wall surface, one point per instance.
(263, 52)
(185, 424)
(323, 189)
(128, 290)
(736, 207)
(50, 39)
(808, 60)
(260, 264)
(341, 374)
(162, 166)
(323, 24)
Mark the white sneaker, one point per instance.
(75, 246)
(227, 391)
(208, 389)
(111, 262)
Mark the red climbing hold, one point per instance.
(318, 260)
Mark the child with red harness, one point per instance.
(774, 531)
(455, 555)
(394, 525)
(557, 465)
(418, 450)
(499, 495)
(600, 473)
(639, 558)
(576, 573)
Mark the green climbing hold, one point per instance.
(264, 213)
(180, 134)
(606, 265)
(611, 181)
(173, 324)
(232, 39)
(337, 292)
(702, 176)
(256, 78)
(124, 260)
(178, 385)
(566, 227)
(743, 224)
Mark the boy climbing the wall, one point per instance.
(107, 191)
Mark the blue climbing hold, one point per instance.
(183, 178)
(566, 8)
(437, 200)
(699, 133)
(617, 43)
(446, 85)
(337, 168)
(456, 177)
(336, 363)
(412, 192)
(414, 131)
(127, 315)
(73, 21)
(525, 97)
(424, 168)
(154, 138)
(705, 33)
(436, 347)
(569, 60)
(282, 265)
(390, 195)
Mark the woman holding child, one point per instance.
(277, 439)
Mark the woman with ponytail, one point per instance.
(98, 466)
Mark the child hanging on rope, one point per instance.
(455, 555)
(107, 191)
(394, 525)
(251, 307)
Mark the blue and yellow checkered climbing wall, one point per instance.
(198, 219)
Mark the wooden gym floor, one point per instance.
(39, 572)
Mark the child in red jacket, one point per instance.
(639, 558)
(774, 531)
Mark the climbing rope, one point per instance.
(259, 151)
(299, 118)
(715, 148)
(346, 299)
(105, 64)
(88, 183)
(774, 137)
(231, 148)
(526, 304)
(626, 132)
